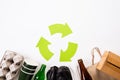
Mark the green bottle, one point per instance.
(40, 75)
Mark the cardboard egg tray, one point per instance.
(10, 65)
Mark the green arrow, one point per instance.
(43, 48)
(60, 28)
(69, 53)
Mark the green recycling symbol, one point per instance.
(65, 56)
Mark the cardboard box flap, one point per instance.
(113, 59)
(110, 64)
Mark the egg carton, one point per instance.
(10, 65)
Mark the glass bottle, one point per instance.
(40, 75)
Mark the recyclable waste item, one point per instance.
(84, 73)
(25, 75)
(40, 75)
(51, 74)
(93, 71)
(29, 63)
(61, 73)
(17, 59)
(110, 64)
(9, 76)
(28, 69)
(9, 68)
(64, 73)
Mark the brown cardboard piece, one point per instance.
(110, 64)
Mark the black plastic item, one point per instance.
(51, 74)
(61, 73)
(64, 73)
